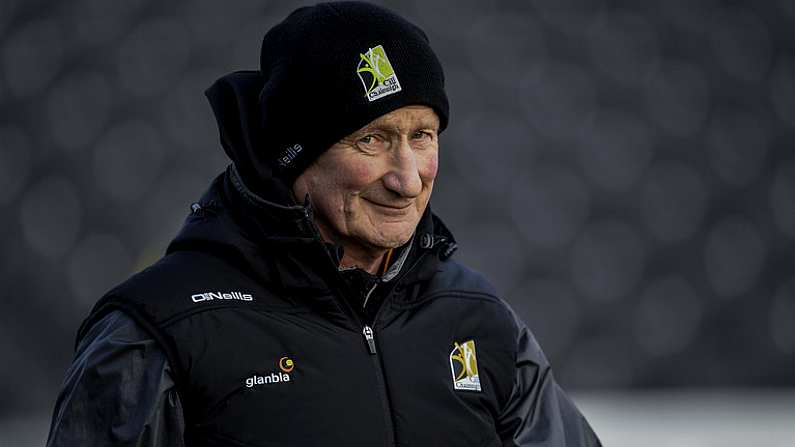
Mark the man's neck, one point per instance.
(367, 260)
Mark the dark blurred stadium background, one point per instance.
(623, 171)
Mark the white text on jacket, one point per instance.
(208, 296)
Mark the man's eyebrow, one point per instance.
(389, 126)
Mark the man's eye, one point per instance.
(372, 143)
(421, 134)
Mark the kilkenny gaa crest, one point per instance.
(464, 366)
(377, 74)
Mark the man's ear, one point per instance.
(299, 189)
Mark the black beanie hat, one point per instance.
(332, 68)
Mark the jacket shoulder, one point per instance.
(473, 291)
(180, 284)
(181, 280)
(457, 281)
(455, 278)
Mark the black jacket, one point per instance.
(269, 345)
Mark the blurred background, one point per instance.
(624, 172)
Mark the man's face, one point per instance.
(372, 187)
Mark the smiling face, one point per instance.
(370, 189)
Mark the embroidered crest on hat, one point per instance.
(376, 73)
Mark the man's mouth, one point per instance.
(391, 206)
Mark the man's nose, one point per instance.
(404, 177)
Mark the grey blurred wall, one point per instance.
(623, 171)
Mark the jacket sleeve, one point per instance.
(538, 412)
(118, 391)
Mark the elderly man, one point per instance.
(311, 298)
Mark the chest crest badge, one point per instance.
(464, 366)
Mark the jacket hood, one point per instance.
(234, 99)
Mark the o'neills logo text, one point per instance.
(289, 154)
(286, 366)
(209, 296)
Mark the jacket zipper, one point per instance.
(339, 289)
(368, 332)
(369, 337)
(386, 404)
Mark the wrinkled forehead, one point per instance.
(405, 119)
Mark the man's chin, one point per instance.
(387, 241)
